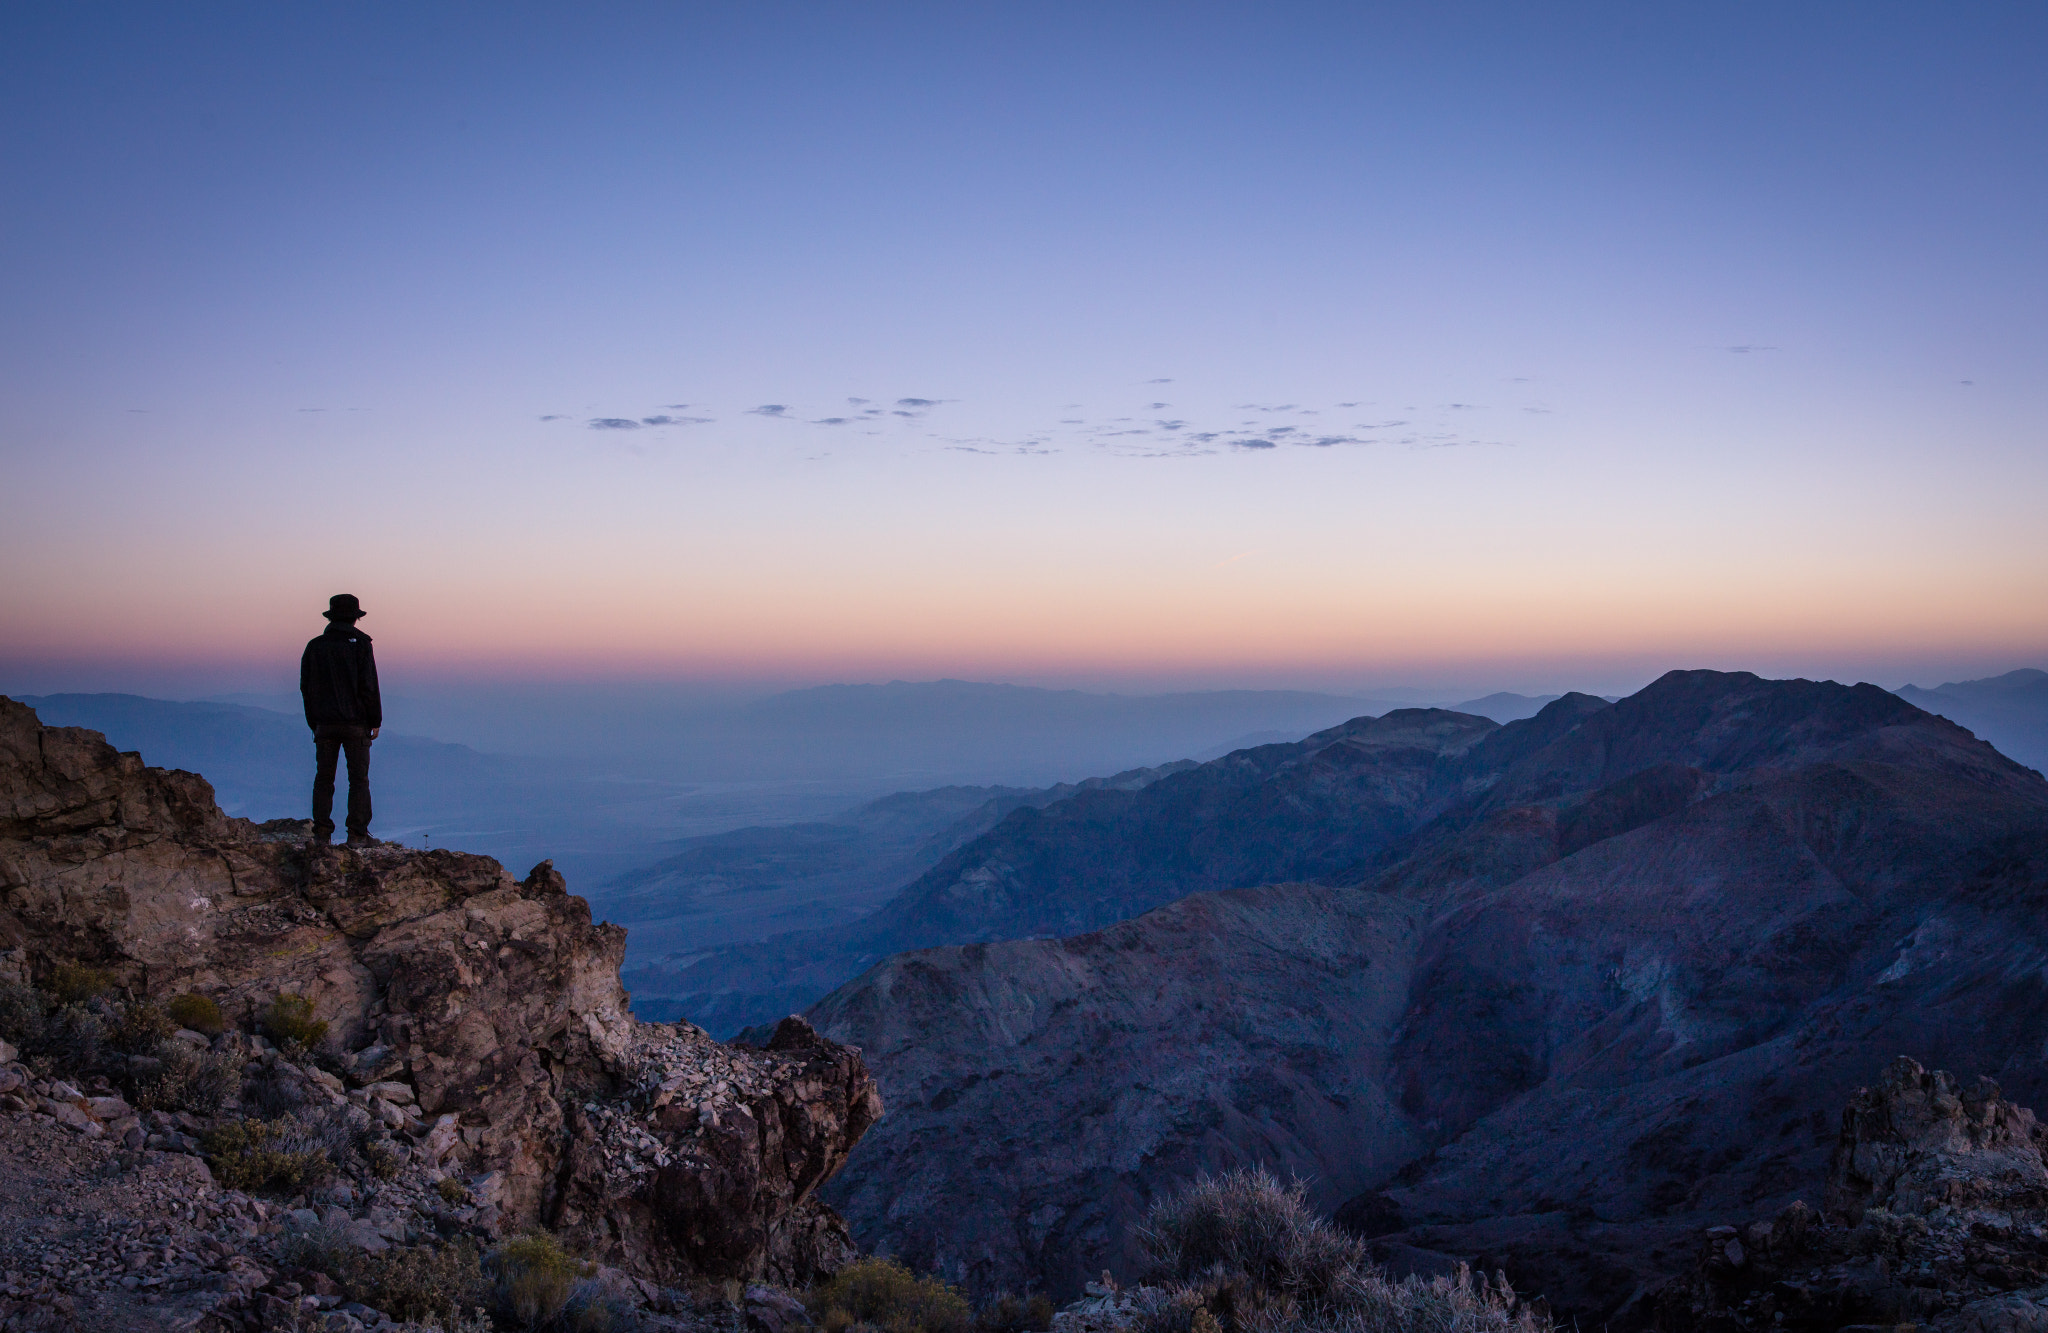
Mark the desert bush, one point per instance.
(138, 1027)
(321, 1249)
(197, 1012)
(1371, 1302)
(1012, 1314)
(265, 1156)
(273, 1091)
(1246, 1224)
(475, 1322)
(1243, 1252)
(382, 1159)
(886, 1295)
(70, 1039)
(75, 983)
(289, 1022)
(532, 1279)
(452, 1191)
(23, 1012)
(426, 1284)
(179, 1078)
(51, 1035)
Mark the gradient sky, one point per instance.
(1330, 346)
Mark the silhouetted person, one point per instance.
(338, 680)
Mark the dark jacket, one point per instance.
(338, 680)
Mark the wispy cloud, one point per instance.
(614, 423)
(770, 410)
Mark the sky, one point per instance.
(1117, 346)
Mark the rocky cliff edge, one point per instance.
(477, 1017)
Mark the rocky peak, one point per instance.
(479, 1016)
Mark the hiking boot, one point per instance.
(362, 840)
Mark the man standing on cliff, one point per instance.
(338, 681)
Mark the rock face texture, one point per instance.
(1610, 986)
(491, 1007)
(723, 1148)
(1936, 1213)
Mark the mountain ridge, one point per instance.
(1791, 880)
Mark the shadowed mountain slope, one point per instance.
(1597, 995)
(1336, 800)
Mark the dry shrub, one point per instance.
(70, 1040)
(452, 1191)
(1245, 1224)
(1371, 1302)
(1011, 1314)
(266, 1156)
(197, 1012)
(178, 1078)
(23, 1012)
(425, 1284)
(1243, 1252)
(883, 1294)
(382, 1159)
(75, 983)
(289, 1022)
(532, 1278)
(138, 1027)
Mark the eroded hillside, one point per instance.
(1612, 984)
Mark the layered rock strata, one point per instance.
(480, 1017)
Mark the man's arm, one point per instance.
(373, 702)
(306, 685)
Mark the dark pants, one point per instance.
(330, 740)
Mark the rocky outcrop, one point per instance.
(1936, 1213)
(724, 1147)
(484, 1013)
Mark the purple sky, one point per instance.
(1316, 345)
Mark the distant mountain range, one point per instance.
(2010, 711)
(757, 881)
(1551, 996)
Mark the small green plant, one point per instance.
(532, 1278)
(452, 1191)
(260, 1156)
(885, 1294)
(75, 983)
(289, 1020)
(197, 1012)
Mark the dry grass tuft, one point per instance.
(1243, 1253)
